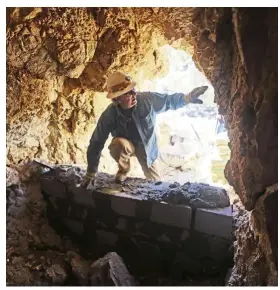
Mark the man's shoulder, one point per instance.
(143, 96)
(109, 112)
(150, 95)
(110, 108)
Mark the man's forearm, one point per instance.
(98, 140)
(93, 156)
(165, 102)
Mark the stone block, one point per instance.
(53, 187)
(78, 212)
(121, 225)
(155, 230)
(144, 209)
(148, 249)
(217, 222)
(63, 207)
(82, 196)
(74, 226)
(106, 238)
(196, 246)
(52, 200)
(185, 235)
(172, 215)
(123, 205)
(103, 205)
(218, 248)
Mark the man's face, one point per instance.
(127, 100)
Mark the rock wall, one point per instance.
(57, 63)
(58, 60)
(247, 96)
(245, 81)
(256, 246)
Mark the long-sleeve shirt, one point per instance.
(149, 104)
(132, 133)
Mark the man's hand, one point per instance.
(195, 93)
(87, 179)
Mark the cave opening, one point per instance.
(135, 248)
(186, 137)
(58, 60)
(193, 141)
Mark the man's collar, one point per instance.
(119, 110)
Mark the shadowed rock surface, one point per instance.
(110, 271)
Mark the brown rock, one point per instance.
(110, 271)
(50, 238)
(80, 268)
(12, 176)
(256, 243)
(253, 102)
(57, 274)
(265, 224)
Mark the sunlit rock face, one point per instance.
(58, 60)
(57, 63)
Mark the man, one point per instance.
(131, 120)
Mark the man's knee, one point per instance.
(120, 146)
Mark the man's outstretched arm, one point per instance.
(165, 102)
(97, 141)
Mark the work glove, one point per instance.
(87, 179)
(193, 96)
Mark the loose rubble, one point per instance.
(110, 271)
(196, 195)
(38, 255)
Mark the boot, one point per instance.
(120, 176)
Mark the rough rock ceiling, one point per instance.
(57, 62)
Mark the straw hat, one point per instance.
(119, 84)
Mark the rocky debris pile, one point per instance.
(111, 271)
(36, 255)
(196, 195)
(12, 176)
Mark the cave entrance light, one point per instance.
(188, 137)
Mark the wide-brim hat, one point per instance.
(118, 84)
